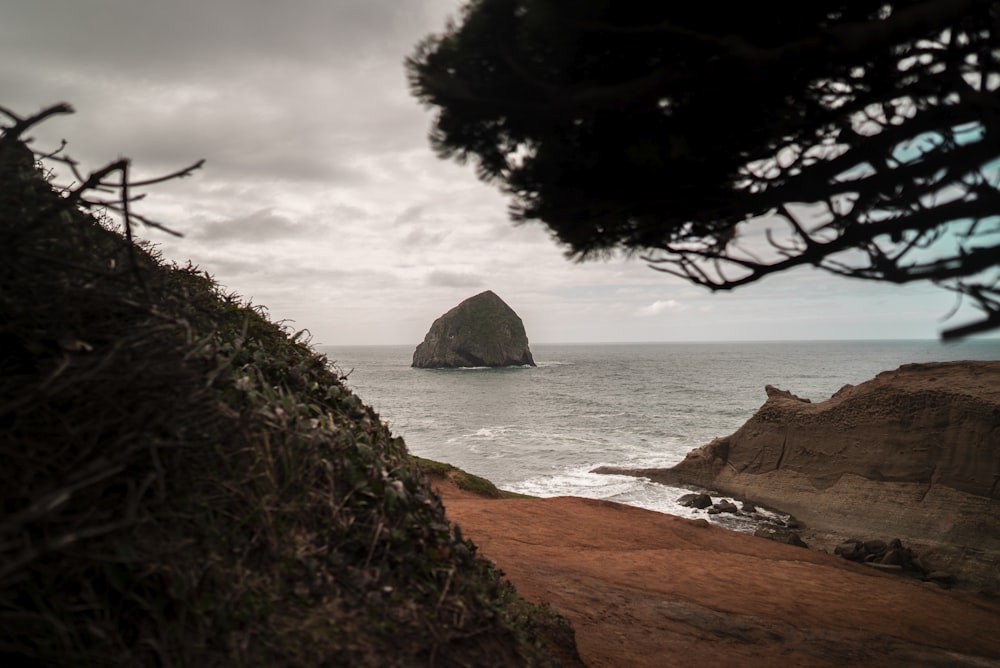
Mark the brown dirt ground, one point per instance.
(648, 589)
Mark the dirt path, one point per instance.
(647, 589)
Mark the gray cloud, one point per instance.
(418, 237)
(454, 279)
(260, 226)
(184, 38)
(410, 214)
(321, 198)
(297, 91)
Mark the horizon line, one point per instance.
(974, 339)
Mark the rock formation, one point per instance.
(481, 331)
(913, 453)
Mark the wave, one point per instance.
(641, 493)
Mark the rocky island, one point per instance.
(912, 454)
(481, 331)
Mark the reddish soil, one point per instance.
(647, 589)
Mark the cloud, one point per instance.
(321, 197)
(660, 307)
(411, 214)
(181, 38)
(419, 237)
(260, 226)
(259, 91)
(454, 279)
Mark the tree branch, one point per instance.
(14, 132)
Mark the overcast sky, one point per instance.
(321, 198)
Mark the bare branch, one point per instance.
(179, 174)
(15, 131)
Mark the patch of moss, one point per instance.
(464, 480)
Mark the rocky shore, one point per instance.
(913, 454)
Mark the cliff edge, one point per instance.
(481, 331)
(913, 453)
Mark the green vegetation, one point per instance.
(188, 483)
(464, 480)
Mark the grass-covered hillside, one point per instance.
(187, 484)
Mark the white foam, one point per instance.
(639, 492)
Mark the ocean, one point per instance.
(541, 430)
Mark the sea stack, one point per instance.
(481, 331)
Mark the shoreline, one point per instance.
(783, 527)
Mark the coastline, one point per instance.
(653, 403)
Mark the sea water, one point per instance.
(541, 430)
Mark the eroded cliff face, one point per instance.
(913, 453)
(481, 331)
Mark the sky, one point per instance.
(322, 200)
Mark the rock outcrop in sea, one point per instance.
(481, 331)
(913, 453)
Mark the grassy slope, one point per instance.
(186, 483)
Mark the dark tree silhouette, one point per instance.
(725, 141)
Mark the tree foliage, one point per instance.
(726, 141)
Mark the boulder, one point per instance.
(852, 550)
(723, 506)
(887, 556)
(914, 453)
(699, 501)
(481, 331)
(780, 535)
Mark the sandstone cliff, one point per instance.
(481, 331)
(913, 453)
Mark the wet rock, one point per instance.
(891, 556)
(723, 506)
(850, 550)
(780, 535)
(940, 578)
(896, 554)
(875, 548)
(699, 501)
